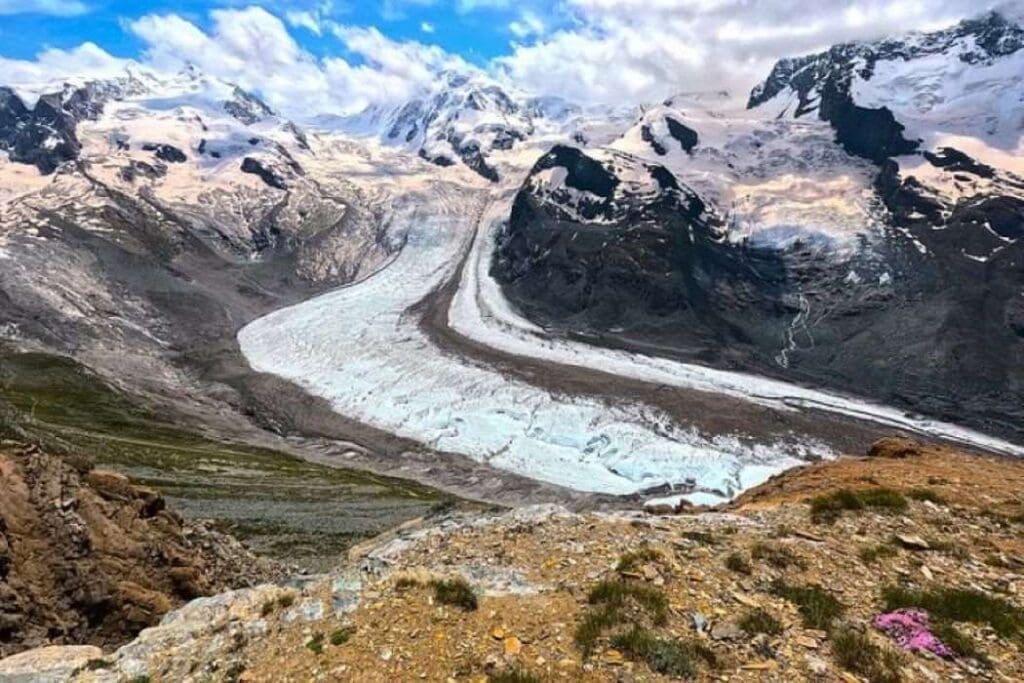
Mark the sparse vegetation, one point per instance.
(869, 554)
(98, 664)
(959, 604)
(632, 560)
(267, 608)
(960, 643)
(595, 623)
(817, 607)
(285, 601)
(618, 593)
(760, 621)
(342, 635)
(738, 563)
(701, 537)
(513, 676)
(854, 651)
(316, 643)
(778, 556)
(925, 494)
(455, 592)
(828, 508)
(405, 583)
(675, 658)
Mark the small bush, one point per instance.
(959, 642)
(342, 635)
(632, 560)
(760, 621)
(595, 623)
(267, 608)
(855, 652)
(958, 604)
(405, 583)
(513, 676)
(738, 563)
(930, 495)
(869, 554)
(817, 607)
(776, 555)
(455, 592)
(619, 593)
(829, 508)
(675, 658)
(316, 643)
(702, 537)
(98, 664)
(285, 601)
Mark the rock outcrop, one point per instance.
(87, 556)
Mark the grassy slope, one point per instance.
(282, 505)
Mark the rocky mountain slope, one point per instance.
(905, 565)
(86, 556)
(870, 212)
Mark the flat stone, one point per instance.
(47, 664)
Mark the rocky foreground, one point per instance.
(907, 564)
(87, 556)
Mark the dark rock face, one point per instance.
(955, 160)
(43, 137)
(140, 169)
(648, 136)
(269, 175)
(931, 320)
(168, 153)
(822, 82)
(686, 136)
(247, 108)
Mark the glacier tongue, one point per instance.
(360, 348)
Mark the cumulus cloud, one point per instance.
(49, 70)
(642, 50)
(57, 8)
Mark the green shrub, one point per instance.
(455, 592)
(675, 658)
(702, 537)
(632, 560)
(855, 652)
(830, 507)
(929, 495)
(759, 621)
(619, 593)
(737, 563)
(958, 604)
(513, 676)
(316, 643)
(776, 555)
(342, 635)
(817, 607)
(869, 554)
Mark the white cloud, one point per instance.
(427, 27)
(48, 71)
(528, 24)
(644, 50)
(305, 19)
(59, 8)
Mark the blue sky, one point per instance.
(477, 31)
(327, 56)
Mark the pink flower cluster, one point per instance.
(910, 629)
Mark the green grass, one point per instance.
(759, 621)
(923, 494)
(619, 593)
(960, 643)
(513, 676)
(818, 608)
(778, 556)
(959, 604)
(674, 658)
(701, 537)
(455, 592)
(631, 561)
(274, 501)
(870, 554)
(316, 643)
(855, 652)
(594, 624)
(830, 507)
(342, 635)
(738, 563)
